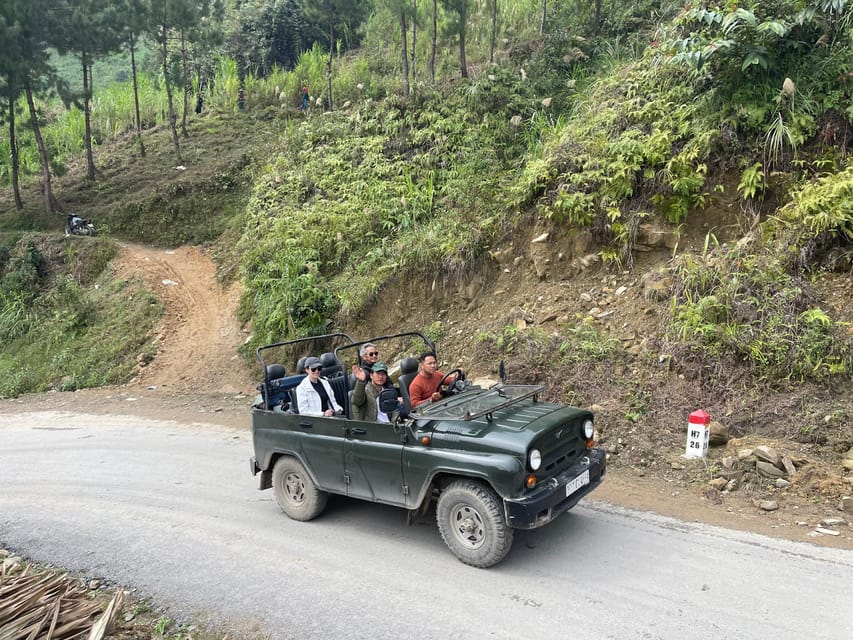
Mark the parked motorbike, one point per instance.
(76, 225)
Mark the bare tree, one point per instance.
(47, 189)
(494, 34)
(434, 43)
(13, 141)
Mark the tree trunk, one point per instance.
(173, 117)
(463, 63)
(494, 33)
(47, 191)
(136, 96)
(597, 25)
(13, 148)
(329, 66)
(414, 38)
(544, 13)
(434, 41)
(87, 116)
(404, 31)
(186, 85)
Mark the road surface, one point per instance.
(171, 510)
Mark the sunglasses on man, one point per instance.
(372, 354)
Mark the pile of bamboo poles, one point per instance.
(44, 605)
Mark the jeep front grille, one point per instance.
(560, 448)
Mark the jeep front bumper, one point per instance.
(558, 494)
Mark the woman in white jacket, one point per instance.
(314, 395)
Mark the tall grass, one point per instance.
(113, 113)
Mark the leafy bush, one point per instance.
(637, 139)
(774, 66)
(817, 224)
(337, 212)
(738, 307)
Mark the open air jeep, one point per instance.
(494, 459)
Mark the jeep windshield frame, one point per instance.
(477, 402)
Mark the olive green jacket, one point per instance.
(364, 402)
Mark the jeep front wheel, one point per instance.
(295, 492)
(472, 524)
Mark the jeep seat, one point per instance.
(332, 367)
(408, 371)
(300, 364)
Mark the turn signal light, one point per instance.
(590, 443)
(531, 481)
(425, 440)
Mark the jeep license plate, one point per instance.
(581, 481)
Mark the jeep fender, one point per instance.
(426, 469)
(271, 458)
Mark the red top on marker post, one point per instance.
(699, 417)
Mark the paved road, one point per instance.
(171, 510)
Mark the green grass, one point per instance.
(82, 328)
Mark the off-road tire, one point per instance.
(471, 520)
(295, 491)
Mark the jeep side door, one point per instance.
(373, 454)
(321, 440)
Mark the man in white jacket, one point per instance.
(314, 395)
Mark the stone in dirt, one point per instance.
(788, 465)
(827, 532)
(768, 454)
(768, 470)
(719, 434)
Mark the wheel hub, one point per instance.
(294, 487)
(467, 526)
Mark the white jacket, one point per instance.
(308, 400)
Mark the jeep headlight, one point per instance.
(588, 429)
(534, 459)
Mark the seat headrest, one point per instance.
(408, 365)
(275, 371)
(329, 360)
(300, 364)
(332, 367)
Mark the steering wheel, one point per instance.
(452, 389)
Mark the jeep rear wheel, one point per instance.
(295, 491)
(472, 524)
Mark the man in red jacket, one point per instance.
(425, 385)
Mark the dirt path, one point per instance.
(199, 334)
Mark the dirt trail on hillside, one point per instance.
(199, 334)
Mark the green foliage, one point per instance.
(817, 225)
(637, 138)
(752, 181)
(79, 328)
(774, 67)
(740, 307)
(584, 342)
(112, 116)
(335, 214)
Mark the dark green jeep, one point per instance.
(494, 459)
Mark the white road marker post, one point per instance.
(698, 434)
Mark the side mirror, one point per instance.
(388, 401)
